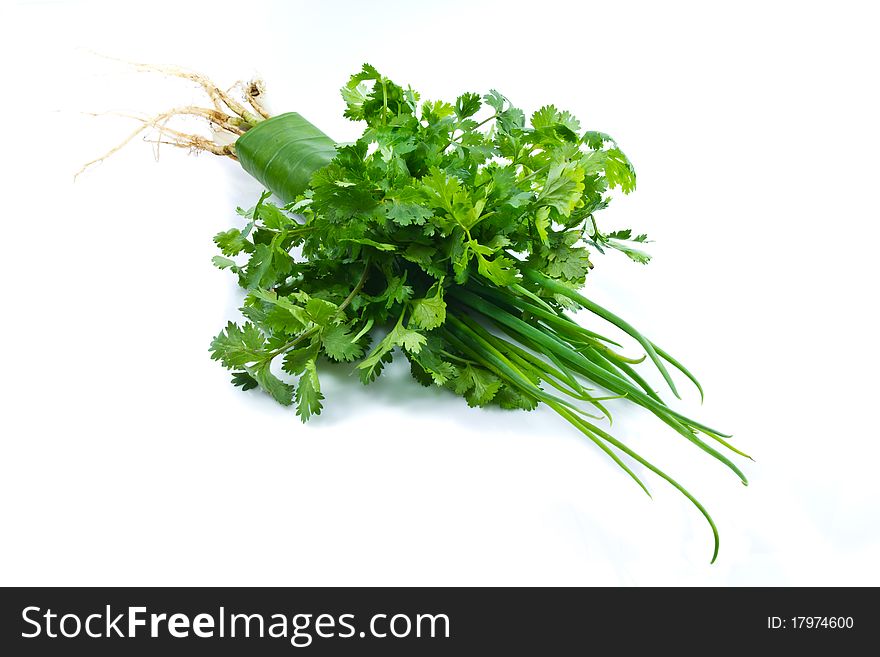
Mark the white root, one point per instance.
(229, 117)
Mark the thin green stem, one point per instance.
(452, 140)
(302, 336)
(357, 288)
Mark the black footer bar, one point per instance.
(427, 621)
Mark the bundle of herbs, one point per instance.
(454, 235)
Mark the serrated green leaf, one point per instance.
(495, 100)
(237, 346)
(244, 381)
(259, 272)
(596, 140)
(321, 312)
(563, 187)
(283, 314)
(279, 390)
(432, 365)
(430, 312)
(396, 292)
(511, 398)
(295, 360)
(619, 171)
(273, 217)
(500, 270)
(569, 263)
(232, 242)
(339, 343)
(477, 384)
(224, 263)
(406, 214)
(308, 393)
(371, 371)
(467, 105)
(542, 223)
(440, 188)
(409, 339)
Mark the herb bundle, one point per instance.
(454, 235)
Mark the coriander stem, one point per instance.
(357, 288)
(454, 139)
(534, 173)
(293, 342)
(485, 121)
(458, 358)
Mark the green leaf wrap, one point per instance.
(283, 152)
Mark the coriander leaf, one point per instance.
(511, 398)
(282, 314)
(542, 223)
(259, 272)
(636, 255)
(477, 384)
(396, 292)
(495, 100)
(423, 256)
(247, 214)
(308, 393)
(280, 391)
(273, 217)
(549, 117)
(430, 363)
(355, 93)
(596, 140)
(244, 380)
(420, 374)
(370, 372)
(465, 210)
(511, 119)
(544, 117)
(619, 172)
(430, 312)
(563, 187)
(339, 343)
(399, 336)
(406, 214)
(410, 340)
(441, 188)
(232, 242)
(467, 105)
(499, 270)
(321, 311)
(237, 346)
(569, 263)
(295, 360)
(224, 263)
(434, 111)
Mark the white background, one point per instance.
(128, 458)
